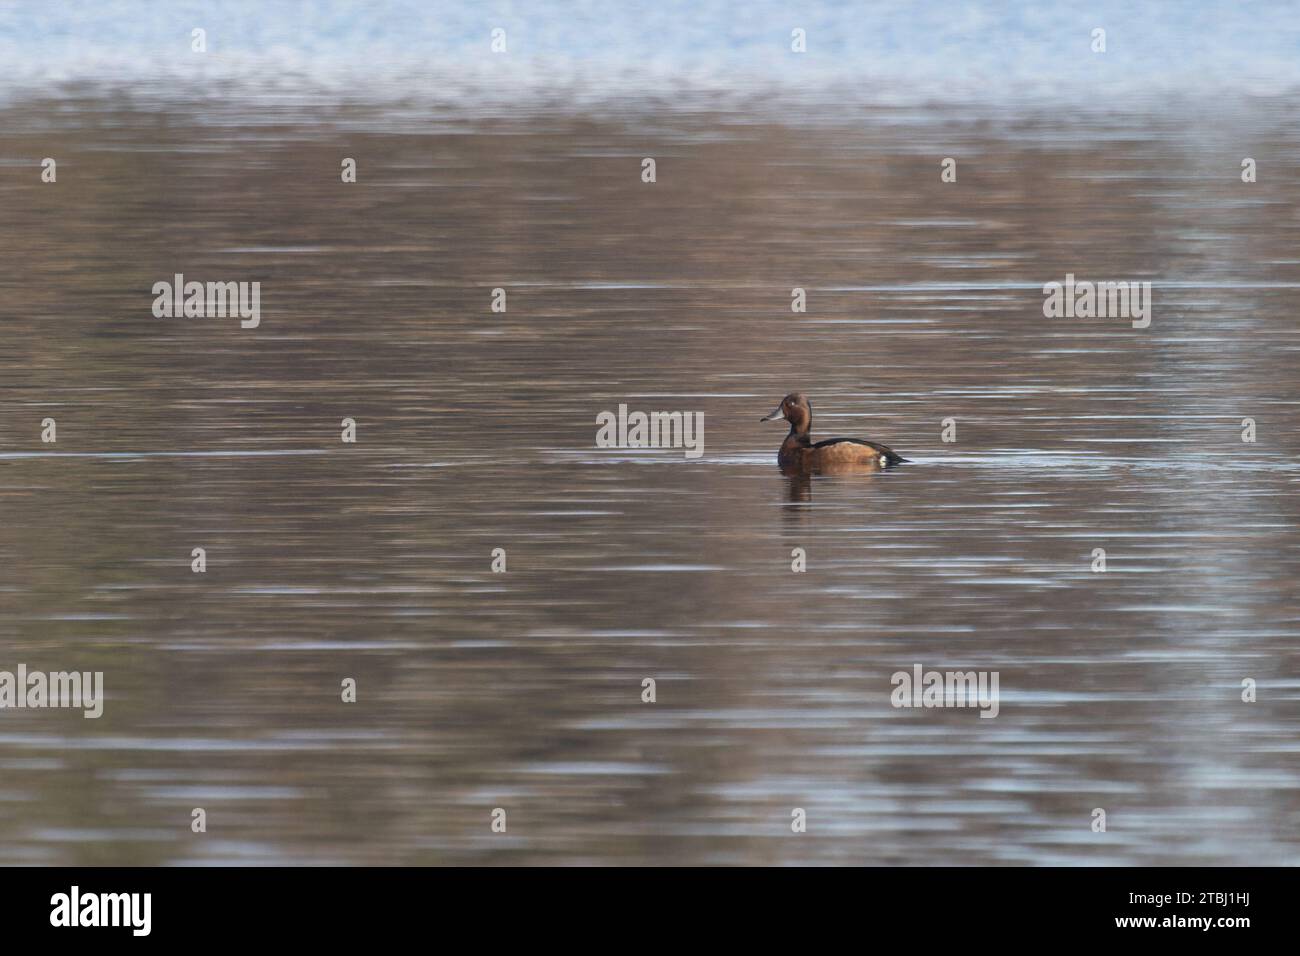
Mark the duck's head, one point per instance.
(794, 408)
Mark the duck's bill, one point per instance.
(774, 416)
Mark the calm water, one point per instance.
(476, 430)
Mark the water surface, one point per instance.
(522, 690)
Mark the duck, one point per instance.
(799, 454)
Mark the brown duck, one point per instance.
(798, 453)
